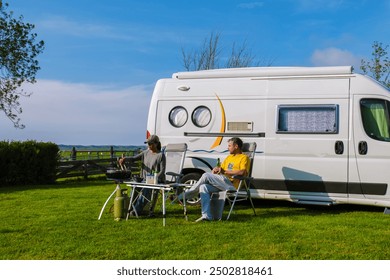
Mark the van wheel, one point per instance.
(191, 178)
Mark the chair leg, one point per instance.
(253, 206)
(232, 205)
(184, 206)
(235, 198)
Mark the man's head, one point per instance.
(235, 145)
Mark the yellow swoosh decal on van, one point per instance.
(218, 140)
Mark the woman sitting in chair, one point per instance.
(153, 160)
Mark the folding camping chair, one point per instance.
(243, 191)
(174, 155)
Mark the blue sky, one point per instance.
(102, 58)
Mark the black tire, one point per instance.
(192, 178)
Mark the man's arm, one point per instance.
(240, 171)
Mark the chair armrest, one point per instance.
(174, 174)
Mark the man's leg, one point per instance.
(221, 182)
(194, 190)
(206, 191)
(217, 180)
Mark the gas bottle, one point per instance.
(118, 205)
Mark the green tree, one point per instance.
(18, 63)
(379, 65)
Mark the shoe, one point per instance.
(202, 219)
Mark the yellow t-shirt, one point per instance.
(235, 162)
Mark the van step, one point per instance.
(313, 202)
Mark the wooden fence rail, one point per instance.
(87, 163)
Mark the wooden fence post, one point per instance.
(86, 170)
(73, 155)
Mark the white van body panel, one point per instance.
(306, 121)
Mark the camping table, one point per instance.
(162, 187)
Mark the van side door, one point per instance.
(371, 145)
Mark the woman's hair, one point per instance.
(237, 141)
(158, 146)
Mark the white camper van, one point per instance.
(322, 133)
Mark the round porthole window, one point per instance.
(178, 116)
(201, 116)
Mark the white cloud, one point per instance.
(334, 57)
(82, 114)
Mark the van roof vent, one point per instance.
(239, 126)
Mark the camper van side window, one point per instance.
(178, 116)
(313, 119)
(376, 118)
(201, 116)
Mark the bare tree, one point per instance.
(240, 57)
(208, 56)
(379, 66)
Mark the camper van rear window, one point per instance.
(201, 116)
(317, 119)
(178, 116)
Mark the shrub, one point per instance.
(28, 162)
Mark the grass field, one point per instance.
(59, 222)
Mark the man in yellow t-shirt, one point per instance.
(220, 178)
(234, 164)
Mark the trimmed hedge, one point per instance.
(28, 162)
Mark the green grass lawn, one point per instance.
(59, 222)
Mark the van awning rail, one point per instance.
(224, 134)
(261, 72)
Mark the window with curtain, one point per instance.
(315, 119)
(376, 118)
